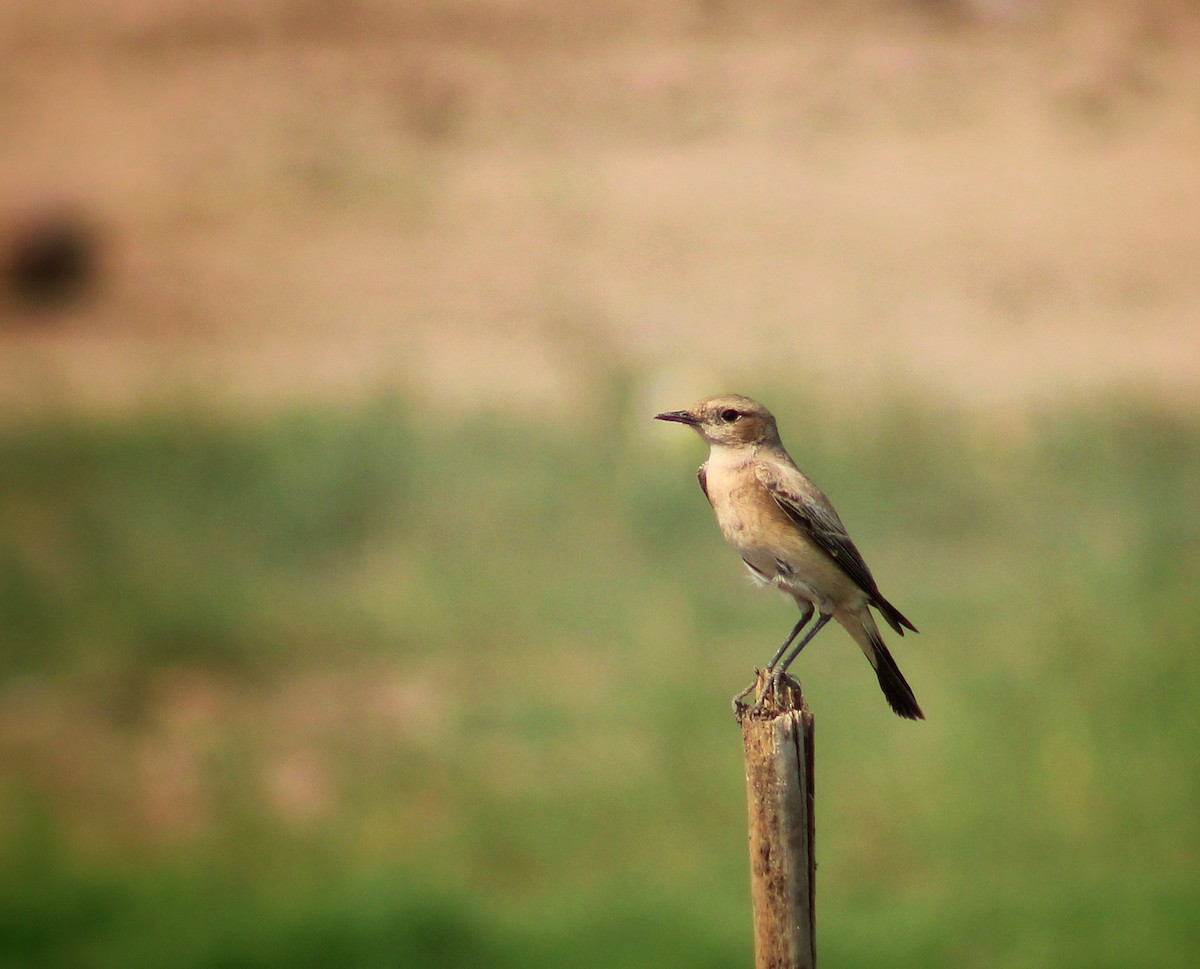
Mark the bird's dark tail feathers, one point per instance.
(895, 687)
(895, 618)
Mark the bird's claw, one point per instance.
(772, 694)
(739, 706)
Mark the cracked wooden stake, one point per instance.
(778, 742)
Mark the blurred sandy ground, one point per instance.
(497, 200)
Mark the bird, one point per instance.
(791, 538)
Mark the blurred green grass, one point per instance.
(381, 687)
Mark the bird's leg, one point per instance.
(780, 671)
(805, 616)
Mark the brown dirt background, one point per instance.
(493, 201)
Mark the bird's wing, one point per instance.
(702, 477)
(811, 511)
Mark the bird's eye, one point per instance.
(729, 416)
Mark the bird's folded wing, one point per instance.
(810, 511)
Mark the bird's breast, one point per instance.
(747, 515)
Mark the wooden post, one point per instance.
(778, 741)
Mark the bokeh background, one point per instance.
(353, 612)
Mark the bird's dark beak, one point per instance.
(679, 417)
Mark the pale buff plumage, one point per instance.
(790, 537)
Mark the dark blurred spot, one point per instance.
(49, 261)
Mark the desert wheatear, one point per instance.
(791, 538)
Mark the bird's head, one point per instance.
(728, 420)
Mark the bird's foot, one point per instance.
(770, 691)
(777, 692)
(739, 701)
